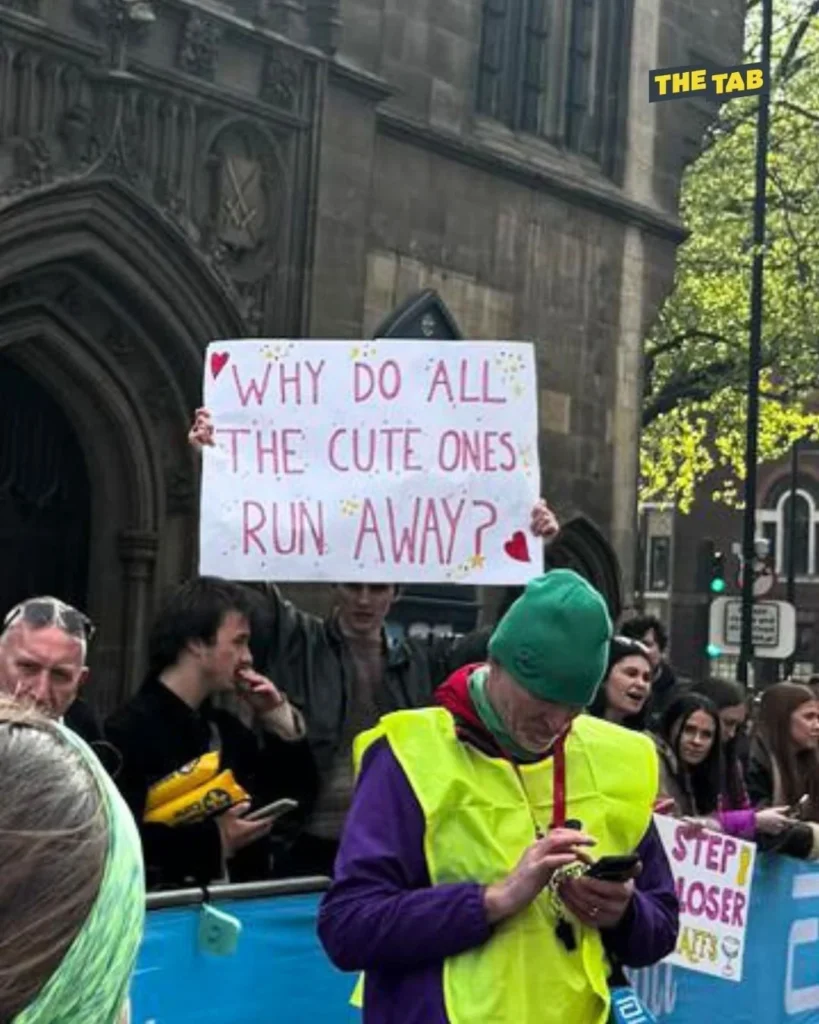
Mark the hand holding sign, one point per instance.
(544, 522)
(201, 433)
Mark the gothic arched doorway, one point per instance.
(45, 510)
(104, 312)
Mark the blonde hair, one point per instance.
(53, 845)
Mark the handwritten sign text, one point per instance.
(712, 873)
(392, 461)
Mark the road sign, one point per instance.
(774, 628)
(764, 577)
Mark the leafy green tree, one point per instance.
(694, 410)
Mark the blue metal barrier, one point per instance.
(780, 978)
(280, 973)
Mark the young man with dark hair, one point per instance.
(650, 631)
(199, 648)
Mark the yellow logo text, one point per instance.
(722, 84)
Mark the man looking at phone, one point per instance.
(427, 899)
(199, 649)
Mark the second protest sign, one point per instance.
(394, 461)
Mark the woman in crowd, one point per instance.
(688, 741)
(72, 897)
(736, 814)
(783, 769)
(624, 696)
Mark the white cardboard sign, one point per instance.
(384, 461)
(712, 874)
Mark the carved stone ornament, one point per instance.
(281, 79)
(180, 492)
(241, 205)
(118, 19)
(199, 46)
(245, 191)
(283, 16)
(324, 18)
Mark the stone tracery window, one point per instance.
(556, 69)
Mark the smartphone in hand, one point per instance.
(272, 812)
(798, 809)
(614, 869)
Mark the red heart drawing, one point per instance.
(218, 361)
(517, 547)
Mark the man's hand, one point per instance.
(544, 521)
(275, 712)
(259, 692)
(595, 903)
(201, 433)
(561, 847)
(236, 833)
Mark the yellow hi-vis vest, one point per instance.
(478, 824)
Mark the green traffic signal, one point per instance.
(713, 651)
(718, 584)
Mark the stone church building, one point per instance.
(175, 171)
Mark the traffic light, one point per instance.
(713, 651)
(717, 583)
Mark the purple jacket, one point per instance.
(382, 915)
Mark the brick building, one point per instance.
(177, 170)
(676, 568)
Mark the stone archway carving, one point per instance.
(583, 547)
(110, 309)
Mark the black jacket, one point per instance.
(156, 733)
(307, 657)
(800, 839)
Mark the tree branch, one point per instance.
(696, 386)
(678, 340)
(796, 109)
(794, 43)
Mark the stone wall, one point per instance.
(520, 239)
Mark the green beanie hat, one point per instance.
(554, 640)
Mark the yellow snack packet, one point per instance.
(210, 798)
(184, 780)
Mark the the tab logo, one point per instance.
(724, 83)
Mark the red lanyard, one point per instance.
(558, 788)
(559, 785)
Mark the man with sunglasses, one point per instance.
(43, 650)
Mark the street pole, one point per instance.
(791, 596)
(744, 667)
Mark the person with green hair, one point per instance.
(72, 892)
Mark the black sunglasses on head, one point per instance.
(40, 612)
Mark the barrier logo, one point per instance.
(721, 84)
